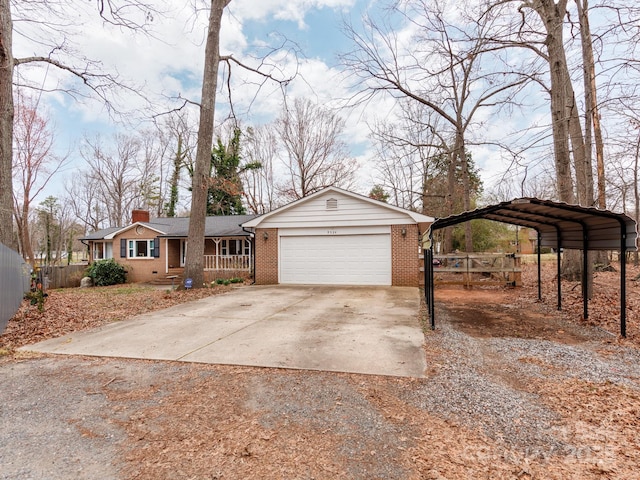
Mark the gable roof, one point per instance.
(101, 234)
(413, 216)
(215, 226)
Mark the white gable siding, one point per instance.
(350, 211)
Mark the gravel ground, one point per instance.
(493, 405)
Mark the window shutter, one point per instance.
(123, 248)
(156, 248)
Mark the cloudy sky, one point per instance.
(166, 64)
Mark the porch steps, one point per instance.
(165, 279)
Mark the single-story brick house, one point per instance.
(152, 250)
(338, 237)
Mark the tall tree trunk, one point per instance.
(562, 115)
(581, 160)
(591, 98)
(194, 268)
(451, 188)
(553, 17)
(25, 236)
(636, 191)
(466, 189)
(592, 125)
(6, 125)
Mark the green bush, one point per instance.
(107, 272)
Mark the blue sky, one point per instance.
(169, 62)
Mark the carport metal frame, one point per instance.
(559, 225)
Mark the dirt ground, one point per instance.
(514, 390)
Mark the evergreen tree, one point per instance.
(224, 196)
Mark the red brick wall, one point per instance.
(141, 269)
(266, 255)
(405, 262)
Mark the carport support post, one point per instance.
(559, 267)
(539, 268)
(623, 280)
(585, 273)
(432, 287)
(427, 285)
(432, 300)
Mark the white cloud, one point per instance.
(288, 10)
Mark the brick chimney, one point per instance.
(139, 216)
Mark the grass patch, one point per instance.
(128, 290)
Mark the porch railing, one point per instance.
(227, 262)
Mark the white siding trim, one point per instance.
(333, 230)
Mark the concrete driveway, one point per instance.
(372, 330)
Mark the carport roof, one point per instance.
(559, 224)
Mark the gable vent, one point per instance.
(332, 204)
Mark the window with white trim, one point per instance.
(140, 249)
(235, 247)
(102, 250)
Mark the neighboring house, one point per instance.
(152, 250)
(337, 237)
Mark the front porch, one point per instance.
(224, 258)
(227, 262)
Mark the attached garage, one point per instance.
(337, 237)
(357, 256)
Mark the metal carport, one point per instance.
(559, 225)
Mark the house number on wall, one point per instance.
(332, 232)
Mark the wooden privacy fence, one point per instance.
(66, 276)
(477, 269)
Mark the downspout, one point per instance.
(252, 236)
(88, 250)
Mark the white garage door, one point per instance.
(336, 259)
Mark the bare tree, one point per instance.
(177, 136)
(81, 195)
(34, 165)
(438, 61)
(48, 23)
(261, 146)
(316, 155)
(116, 176)
(409, 151)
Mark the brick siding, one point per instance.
(266, 256)
(405, 261)
(140, 269)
